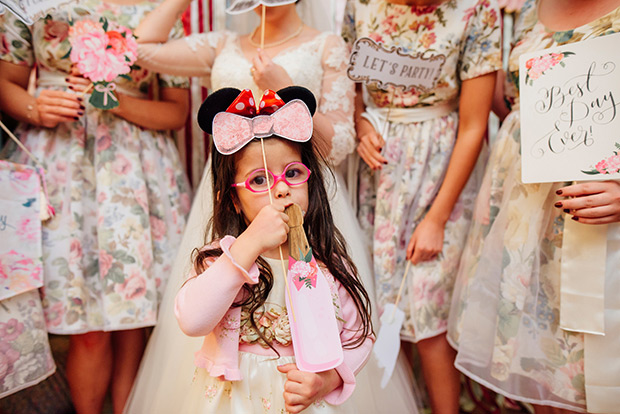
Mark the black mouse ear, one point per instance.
(299, 92)
(215, 103)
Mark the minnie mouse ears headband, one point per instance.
(232, 118)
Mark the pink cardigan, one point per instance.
(203, 308)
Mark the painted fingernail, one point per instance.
(82, 107)
(566, 210)
(80, 99)
(559, 192)
(66, 79)
(80, 113)
(385, 162)
(70, 87)
(558, 204)
(575, 218)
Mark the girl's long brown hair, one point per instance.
(327, 243)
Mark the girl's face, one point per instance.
(279, 154)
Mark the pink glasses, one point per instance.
(294, 174)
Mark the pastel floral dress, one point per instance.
(120, 192)
(393, 200)
(506, 306)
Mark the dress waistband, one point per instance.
(47, 79)
(408, 115)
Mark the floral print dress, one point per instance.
(506, 306)
(393, 200)
(120, 193)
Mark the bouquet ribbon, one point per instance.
(106, 90)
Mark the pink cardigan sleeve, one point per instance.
(204, 300)
(354, 359)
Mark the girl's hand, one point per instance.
(370, 144)
(269, 229)
(303, 388)
(426, 242)
(267, 74)
(54, 107)
(596, 202)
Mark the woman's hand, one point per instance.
(267, 74)
(596, 202)
(303, 388)
(370, 144)
(54, 107)
(426, 242)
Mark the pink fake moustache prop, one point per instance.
(315, 333)
(236, 127)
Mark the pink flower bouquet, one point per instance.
(102, 51)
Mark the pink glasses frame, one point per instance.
(276, 178)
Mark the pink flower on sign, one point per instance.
(537, 66)
(304, 274)
(608, 165)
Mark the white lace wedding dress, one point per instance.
(318, 64)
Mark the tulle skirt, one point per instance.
(167, 368)
(504, 319)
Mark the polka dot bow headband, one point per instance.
(282, 114)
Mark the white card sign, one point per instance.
(570, 120)
(371, 62)
(30, 10)
(242, 6)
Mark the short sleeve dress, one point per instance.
(418, 145)
(505, 317)
(120, 192)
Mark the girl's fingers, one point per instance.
(77, 80)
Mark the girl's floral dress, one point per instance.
(120, 192)
(396, 198)
(506, 305)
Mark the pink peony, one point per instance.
(158, 228)
(54, 314)
(55, 31)
(10, 330)
(133, 287)
(105, 263)
(8, 356)
(75, 251)
(613, 164)
(121, 165)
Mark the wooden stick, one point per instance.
(262, 28)
(284, 267)
(85, 91)
(387, 117)
(400, 291)
(19, 143)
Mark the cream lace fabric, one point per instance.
(319, 65)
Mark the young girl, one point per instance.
(414, 196)
(235, 298)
